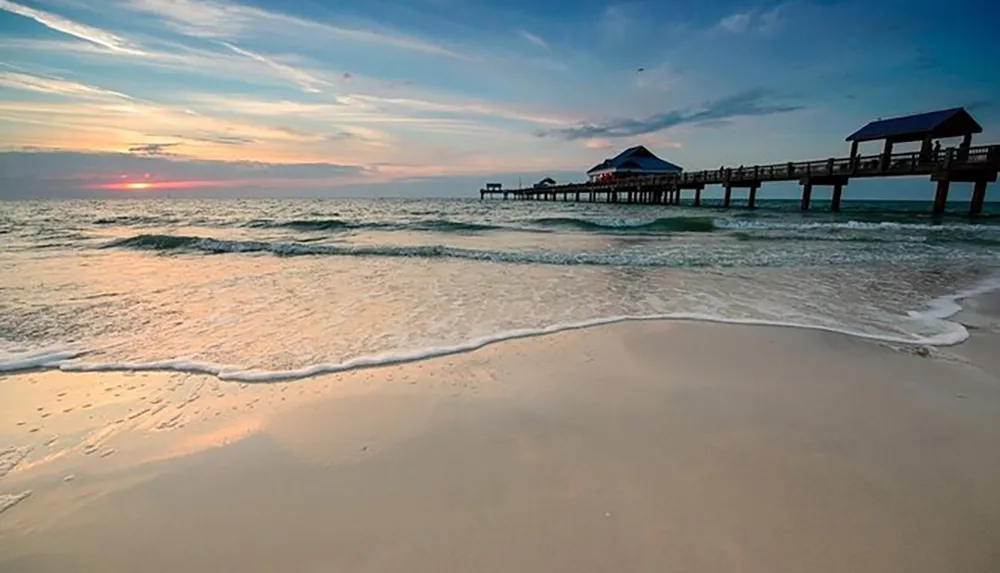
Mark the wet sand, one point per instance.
(634, 447)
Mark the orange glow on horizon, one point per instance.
(159, 185)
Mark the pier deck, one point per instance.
(978, 165)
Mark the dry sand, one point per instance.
(673, 447)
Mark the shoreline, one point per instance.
(628, 447)
(64, 359)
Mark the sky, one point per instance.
(289, 98)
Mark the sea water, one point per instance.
(258, 290)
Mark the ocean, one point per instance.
(265, 290)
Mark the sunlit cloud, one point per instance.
(93, 35)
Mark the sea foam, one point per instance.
(934, 317)
(48, 358)
(954, 334)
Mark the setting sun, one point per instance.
(137, 186)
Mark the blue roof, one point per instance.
(944, 123)
(636, 158)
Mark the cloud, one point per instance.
(749, 103)
(534, 39)
(116, 125)
(307, 82)
(55, 86)
(220, 139)
(754, 20)
(377, 104)
(93, 35)
(735, 23)
(153, 149)
(174, 57)
(219, 19)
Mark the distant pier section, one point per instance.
(637, 176)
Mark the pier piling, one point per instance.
(941, 197)
(838, 190)
(807, 189)
(978, 197)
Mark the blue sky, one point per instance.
(320, 97)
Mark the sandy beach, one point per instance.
(659, 446)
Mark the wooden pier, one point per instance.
(978, 165)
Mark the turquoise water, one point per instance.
(258, 289)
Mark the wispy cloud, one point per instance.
(228, 62)
(93, 35)
(221, 139)
(154, 149)
(534, 39)
(228, 20)
(762, 21)
(749, 103)
(378, 103)
(735, 23)
(56, 86)
(307, 82)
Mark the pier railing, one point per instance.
(880, 165)
(906, 163)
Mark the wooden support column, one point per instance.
(941, 197)
(577, 196)
(752, 198)
(677, 196)
(697, 197)
(838, 190)
(807, 190)
(978, 197)
(727, 196)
